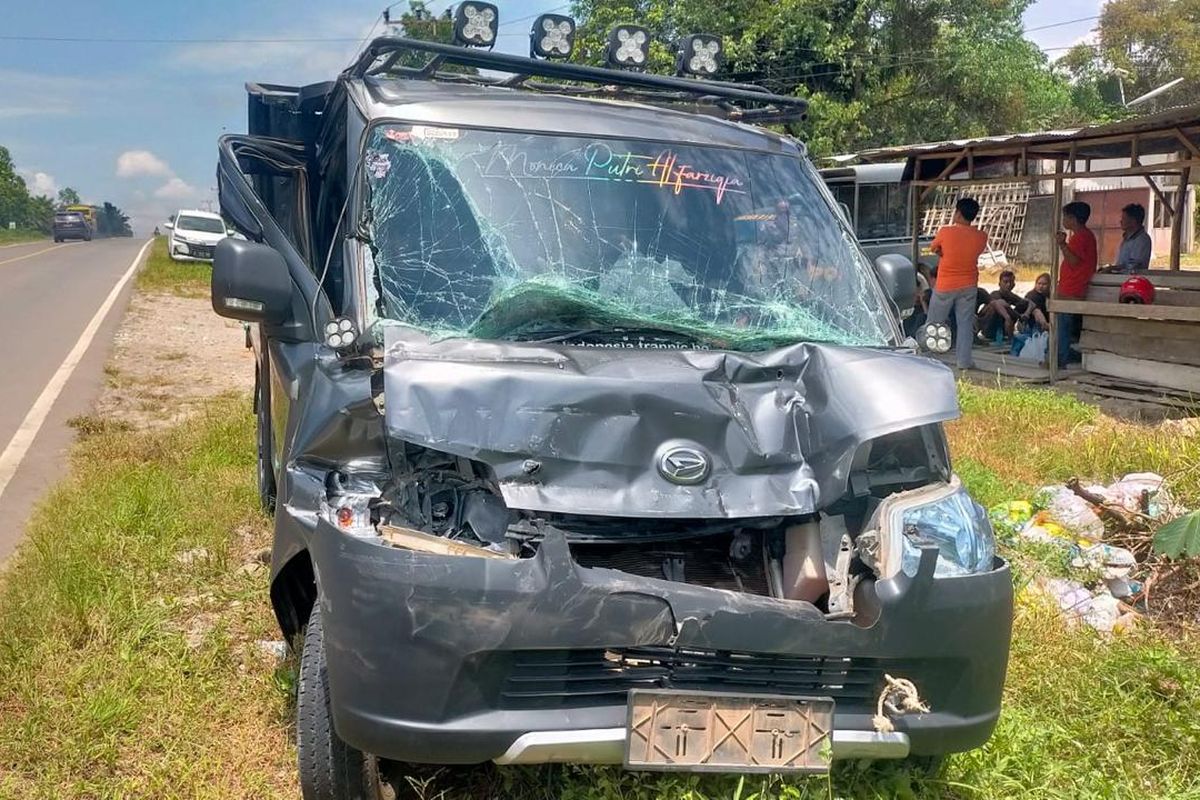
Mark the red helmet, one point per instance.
(1137, 290)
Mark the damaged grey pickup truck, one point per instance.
(589, 432)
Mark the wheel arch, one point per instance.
(293, 594)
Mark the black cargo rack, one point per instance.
(735, 101)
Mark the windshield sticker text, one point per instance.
(599, 162)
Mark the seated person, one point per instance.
(1003, 309)
(1037, 310)
(1136, 247)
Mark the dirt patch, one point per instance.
(170, 354)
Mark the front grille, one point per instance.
(570, 678)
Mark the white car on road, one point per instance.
(193, 235)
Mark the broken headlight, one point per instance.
(942, 515)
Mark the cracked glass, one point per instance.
(500, 235)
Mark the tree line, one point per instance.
(887, 72)
(36, 212)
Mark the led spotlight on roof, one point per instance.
(699, 54)
(628, 47)
(475, 24)
(340, 333)
(552, 36)
(935, 337)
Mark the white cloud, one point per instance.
(40, 183)
(176, 189)
(133, 163)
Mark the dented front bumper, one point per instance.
(452, 659)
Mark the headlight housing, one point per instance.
(942, 515)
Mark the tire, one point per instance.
(330, 769)
(266, 446)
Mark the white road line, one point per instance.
(19, 445)
(22, 244)
(31, 255)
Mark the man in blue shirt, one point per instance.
(1134, 253)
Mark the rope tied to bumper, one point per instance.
(898, 697)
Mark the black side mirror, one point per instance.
(899, 279)
(250, 282)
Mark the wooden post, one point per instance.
(1178, 219)
(914, 204)
(1056, 212)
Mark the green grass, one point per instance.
(182, 278)
(126, 672)
(1010, 441)
(20, 235)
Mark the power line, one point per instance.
(1061, 24)
(358, 48)
(533, 16)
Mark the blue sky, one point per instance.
(137, 123)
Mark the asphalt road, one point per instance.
(49, 296)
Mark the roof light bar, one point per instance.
(628, 47)
(552, 36)
(476, 24)
(700, 54)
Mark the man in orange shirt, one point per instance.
(959, 245)
(1080, 257)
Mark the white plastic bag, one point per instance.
(1034, 348)
(1073, 513)
(1127, 493)
(1100, 611)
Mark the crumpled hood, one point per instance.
(582, 430)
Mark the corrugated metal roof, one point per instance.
(1164, 121)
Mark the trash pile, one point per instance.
(1107, 537)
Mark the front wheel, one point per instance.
(330, 769)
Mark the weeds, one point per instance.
(21, 235)
(1024, 438)
(124, 672)
(182, 278)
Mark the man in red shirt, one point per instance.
(1075, 273)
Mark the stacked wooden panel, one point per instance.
(1003, 207)
(1163, 352)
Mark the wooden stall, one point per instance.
(1128, 348)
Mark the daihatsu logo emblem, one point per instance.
(684, 465)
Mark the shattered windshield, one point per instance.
(499, 235)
